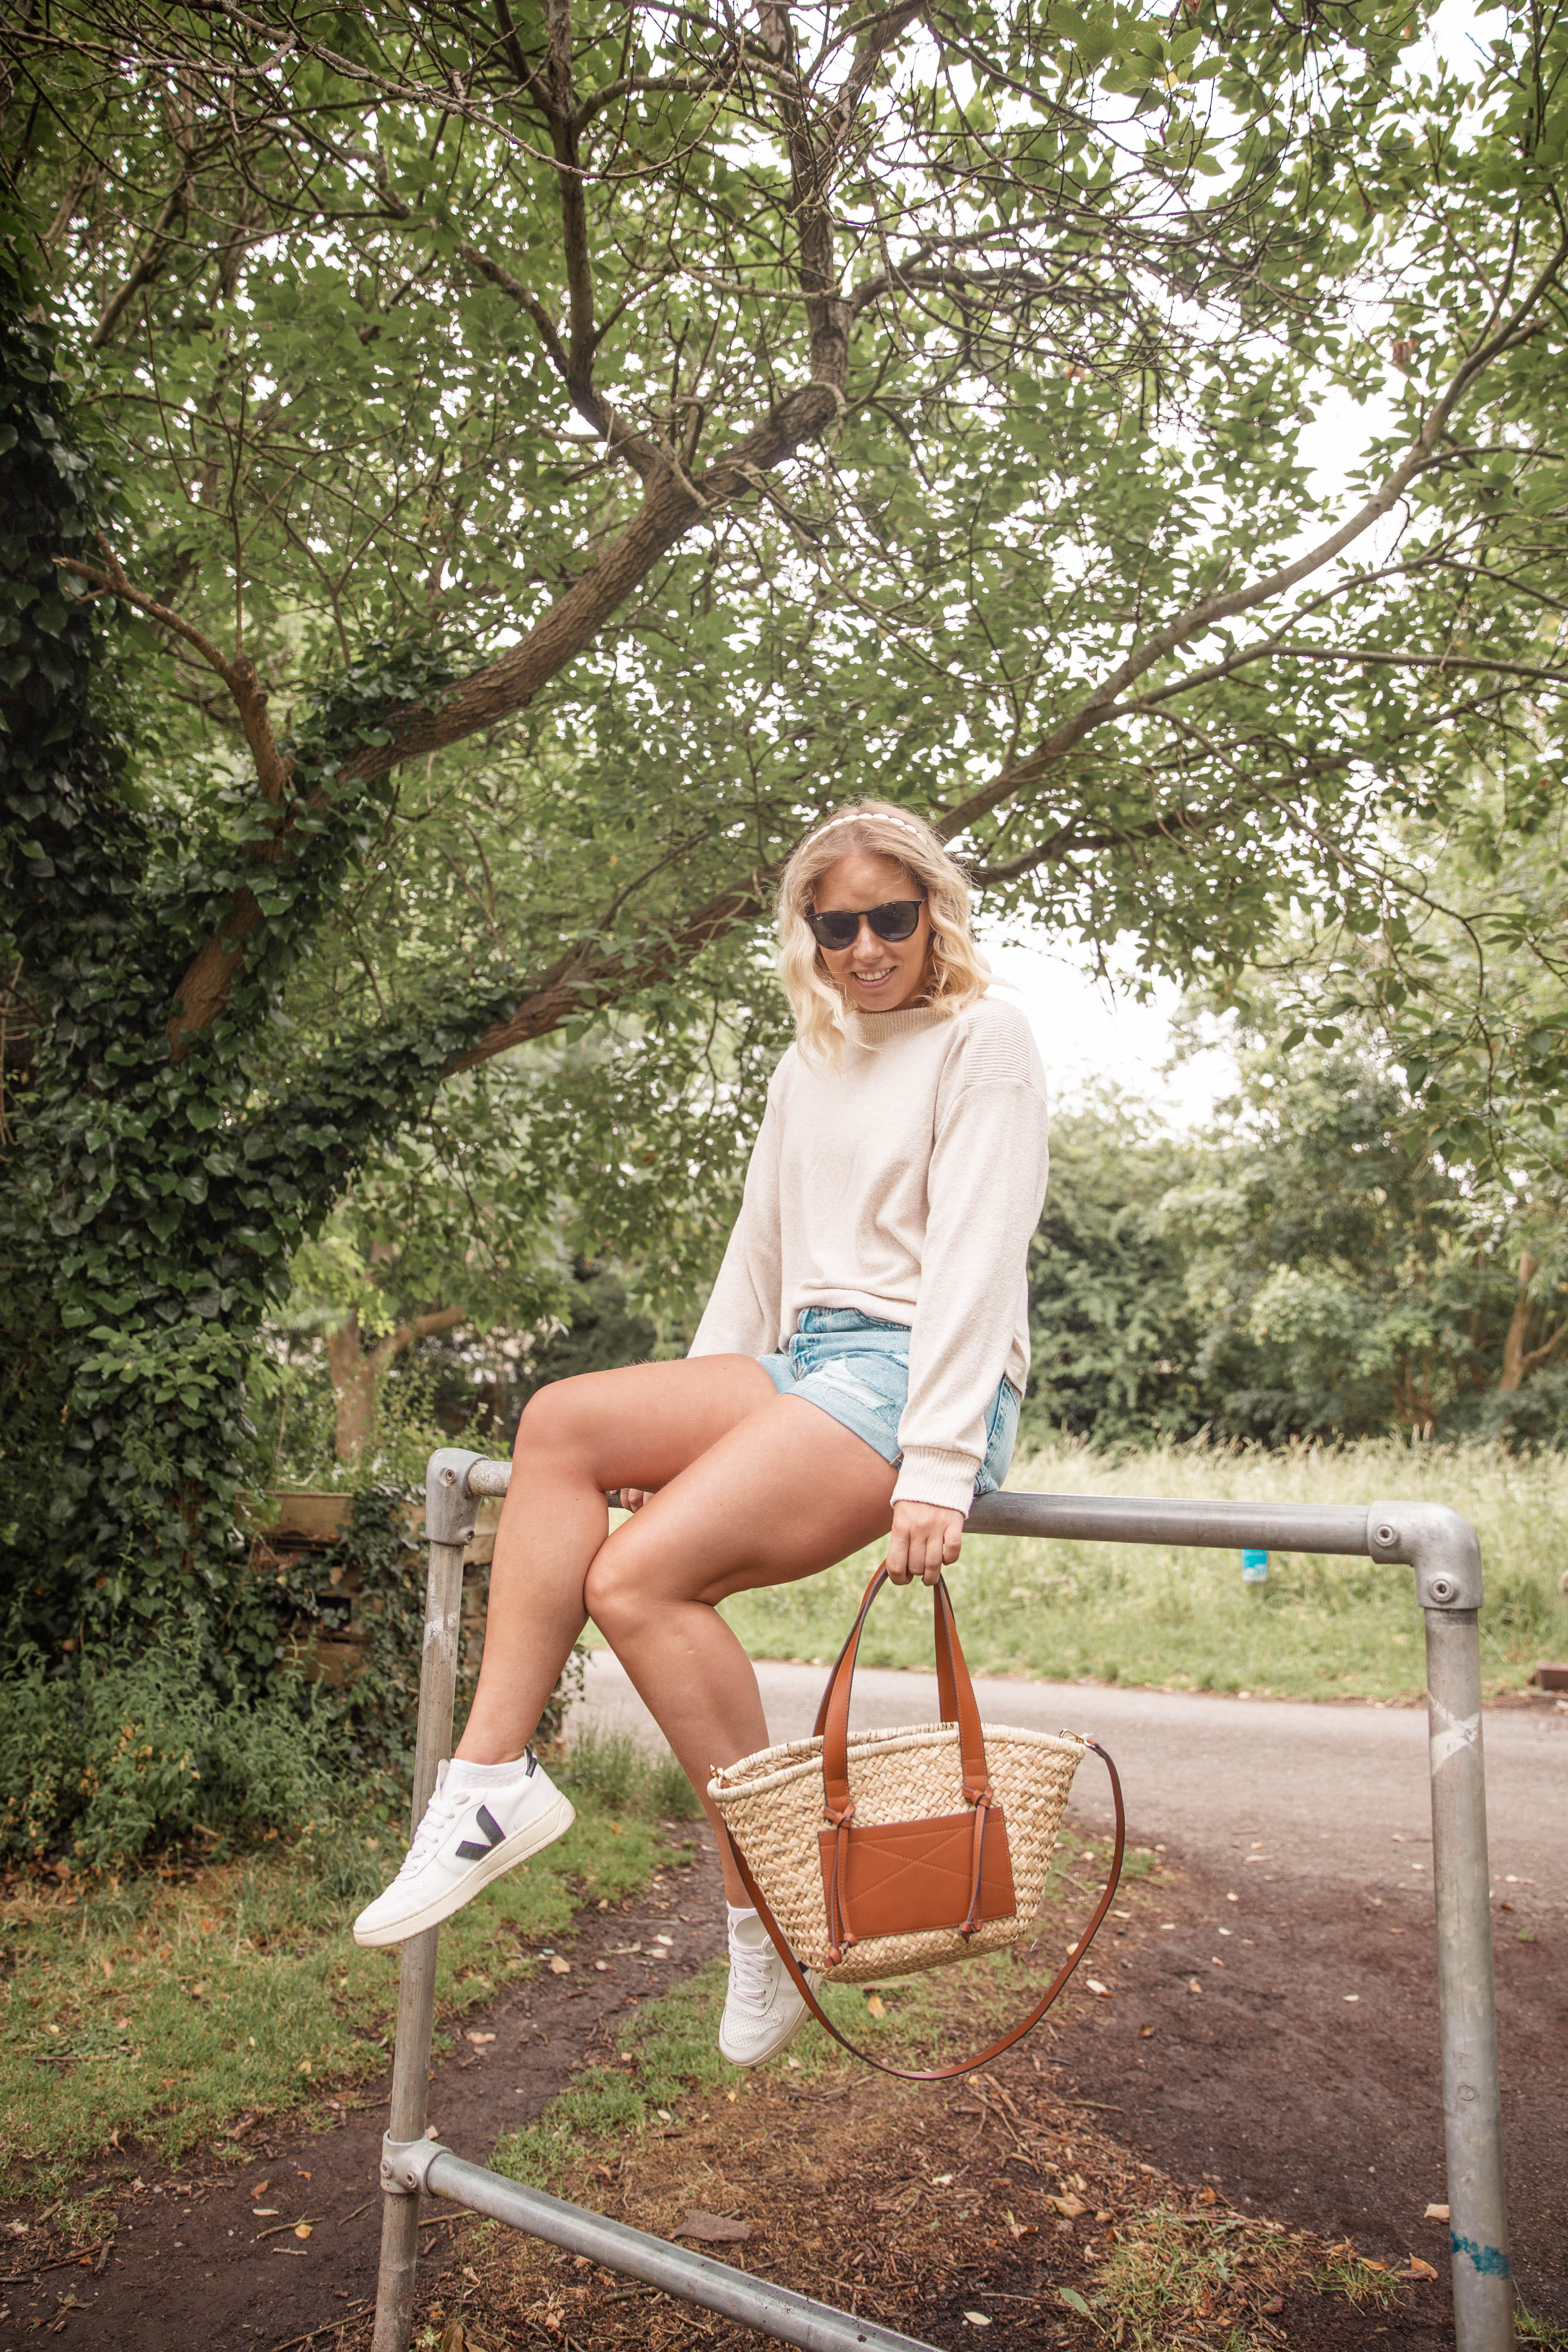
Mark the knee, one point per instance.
(554, 1420)
(615, 1593)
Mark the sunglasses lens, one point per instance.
(836, 930)
(896, 921)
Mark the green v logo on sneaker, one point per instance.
(493, 1832)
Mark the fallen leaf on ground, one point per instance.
(1418, 2269)
(1275, 2302)
(1073, 2300)
(1194, 1985)
(480, 2037)
(1070, 2208)
(1144, 2032)
(978, 2319)
(876, 2004)
(560, 1967)
(303, 2229)
(1094, 1985)
(715, 2228)
(1436, 2213)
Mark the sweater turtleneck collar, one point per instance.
(876, 1028)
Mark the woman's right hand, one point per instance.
(634, 1497)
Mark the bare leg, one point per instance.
(638, 1427)
(784, 1494)
(752, 1489)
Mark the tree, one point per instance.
(498, 1213)
(1113, 1333)
(666, 425)
(1329, 1283)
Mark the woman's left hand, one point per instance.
(925, 1541)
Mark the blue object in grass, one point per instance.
(1255, 1567)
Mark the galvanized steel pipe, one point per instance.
(1435, 1542)
(449, 1524)
(1472, 2098)
(775, 2311)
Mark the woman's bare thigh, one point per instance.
(645, 1424)
(782, 1494)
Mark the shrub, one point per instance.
(112, 1763)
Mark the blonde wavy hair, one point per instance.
(958, 973)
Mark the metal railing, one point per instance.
(1437, 1543)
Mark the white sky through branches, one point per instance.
(1092, 1028)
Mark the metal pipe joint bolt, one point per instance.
(1435, 1543)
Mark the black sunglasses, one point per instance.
(841, 927)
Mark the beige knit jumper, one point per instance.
(906, 1183)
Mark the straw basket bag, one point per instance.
(899, 1851)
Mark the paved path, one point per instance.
(1334, 1792)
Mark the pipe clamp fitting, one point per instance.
(405, 2164)
(1438, 1544)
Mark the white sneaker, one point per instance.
(464, 1840)
(762, 2011)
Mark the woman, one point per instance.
(858, 1374)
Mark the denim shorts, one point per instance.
(858, 1370)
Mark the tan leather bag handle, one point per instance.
(955, 1695)
(945, 2074)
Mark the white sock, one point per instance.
(464, 1778)
(739, 1912)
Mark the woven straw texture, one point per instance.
(772, 1804)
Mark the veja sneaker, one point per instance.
(464, 1840)
(762, 2011)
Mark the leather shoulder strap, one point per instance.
(968, 2066)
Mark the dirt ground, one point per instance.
(1276, 2053)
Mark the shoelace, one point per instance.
(439, 1815)
(750, 1970)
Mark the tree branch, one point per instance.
(272, 769)
(151, 259)
(419, 1327)
(1423, 451)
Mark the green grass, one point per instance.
(163, 2006)
(667, 2055)
(1320, 1628)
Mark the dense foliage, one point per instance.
(1306, 1267)
(542, 462)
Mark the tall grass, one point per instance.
(1320, 1628)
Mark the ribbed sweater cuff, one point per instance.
(934, 1474)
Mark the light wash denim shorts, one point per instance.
(858, 1370)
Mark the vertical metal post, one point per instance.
(1472, 2109)
(449, 1524)
(1442, 1548)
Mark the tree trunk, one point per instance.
(1518, 1360)
(356, 1374)
(1513, 1352)
(353, 1389)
